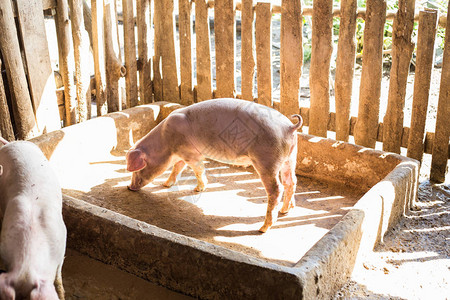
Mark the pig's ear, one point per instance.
(135, 160)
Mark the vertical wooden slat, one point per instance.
(291, 56)
(40, 74)
(130, 54)
(439, 159)
(247, 50)
(225, 40)
(345, 66)
(24, 118)
(80, 54)
(186, 72)
(144, 45)
(263, 28)
(402, 49)
(113, 65)
(203, 51)
(99, 56)
(422, 78)
(370, 90)
(6, 129)
(168, 53)
(319, 73)
(158, 37)
(66, 64)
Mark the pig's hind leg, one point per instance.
(177, 169)
(289, 180)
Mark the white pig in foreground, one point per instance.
(232, 131)
(33, 236)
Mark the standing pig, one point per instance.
(232, 131)
(33, 236)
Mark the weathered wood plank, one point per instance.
(439, 159)
(144, 46)
(422, 78)
(98, 43)
(247, 50)
(345, 66)
(186, 71)
(402, 49)
(263, 38)
(291, 56)
(319, 74)
(66, 63)
(40, 74)
(130, 54)
(225, 41)
(370, 90)
(113, 65)
(6, 129)
(24, 118)
(203, 51)
(158, 36)
(81, 52)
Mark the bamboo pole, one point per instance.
(66, 64)
(291, 56)
(422, 78)
(439, 159)
(402, 49)
(319, 74)
(130, 54)
(225, 41)
(80, 54)
(186, 71)
(6, 129)
(98, 43)
(144, 45)
(369, 96)
(263, 38)
(158, 37)
(9, 46)
(345, 66)
(113, 65)
(203, 51)
(247, 50)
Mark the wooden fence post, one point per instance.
(98, 48)
(130, 54)
(424, 65)
(402, 50)
(247, 50)
(144, 46)
(158, 44)
(319, 72)
(439, 159)
(263, 28)
(291, 56)
(366, 127)
(9, 46)
(6, 129)
(41, 79)
(113, 65)
(345, 66)
(186, 71)
(66, 65)
(203, 51)
(80, 54)
(225, 41)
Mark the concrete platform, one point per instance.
(206, 245)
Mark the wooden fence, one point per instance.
(171, 59)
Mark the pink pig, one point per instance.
(231, 131)
(33, 235)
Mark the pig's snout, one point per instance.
(136, 183)
(132, 188)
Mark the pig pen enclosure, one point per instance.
(173, 53)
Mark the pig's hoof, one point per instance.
(199, 189)
(264, 228)
(168, 184)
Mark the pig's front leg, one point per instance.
(199, 171)
(177, 169)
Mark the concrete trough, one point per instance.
(227, 258)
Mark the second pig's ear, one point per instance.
(135, 160)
